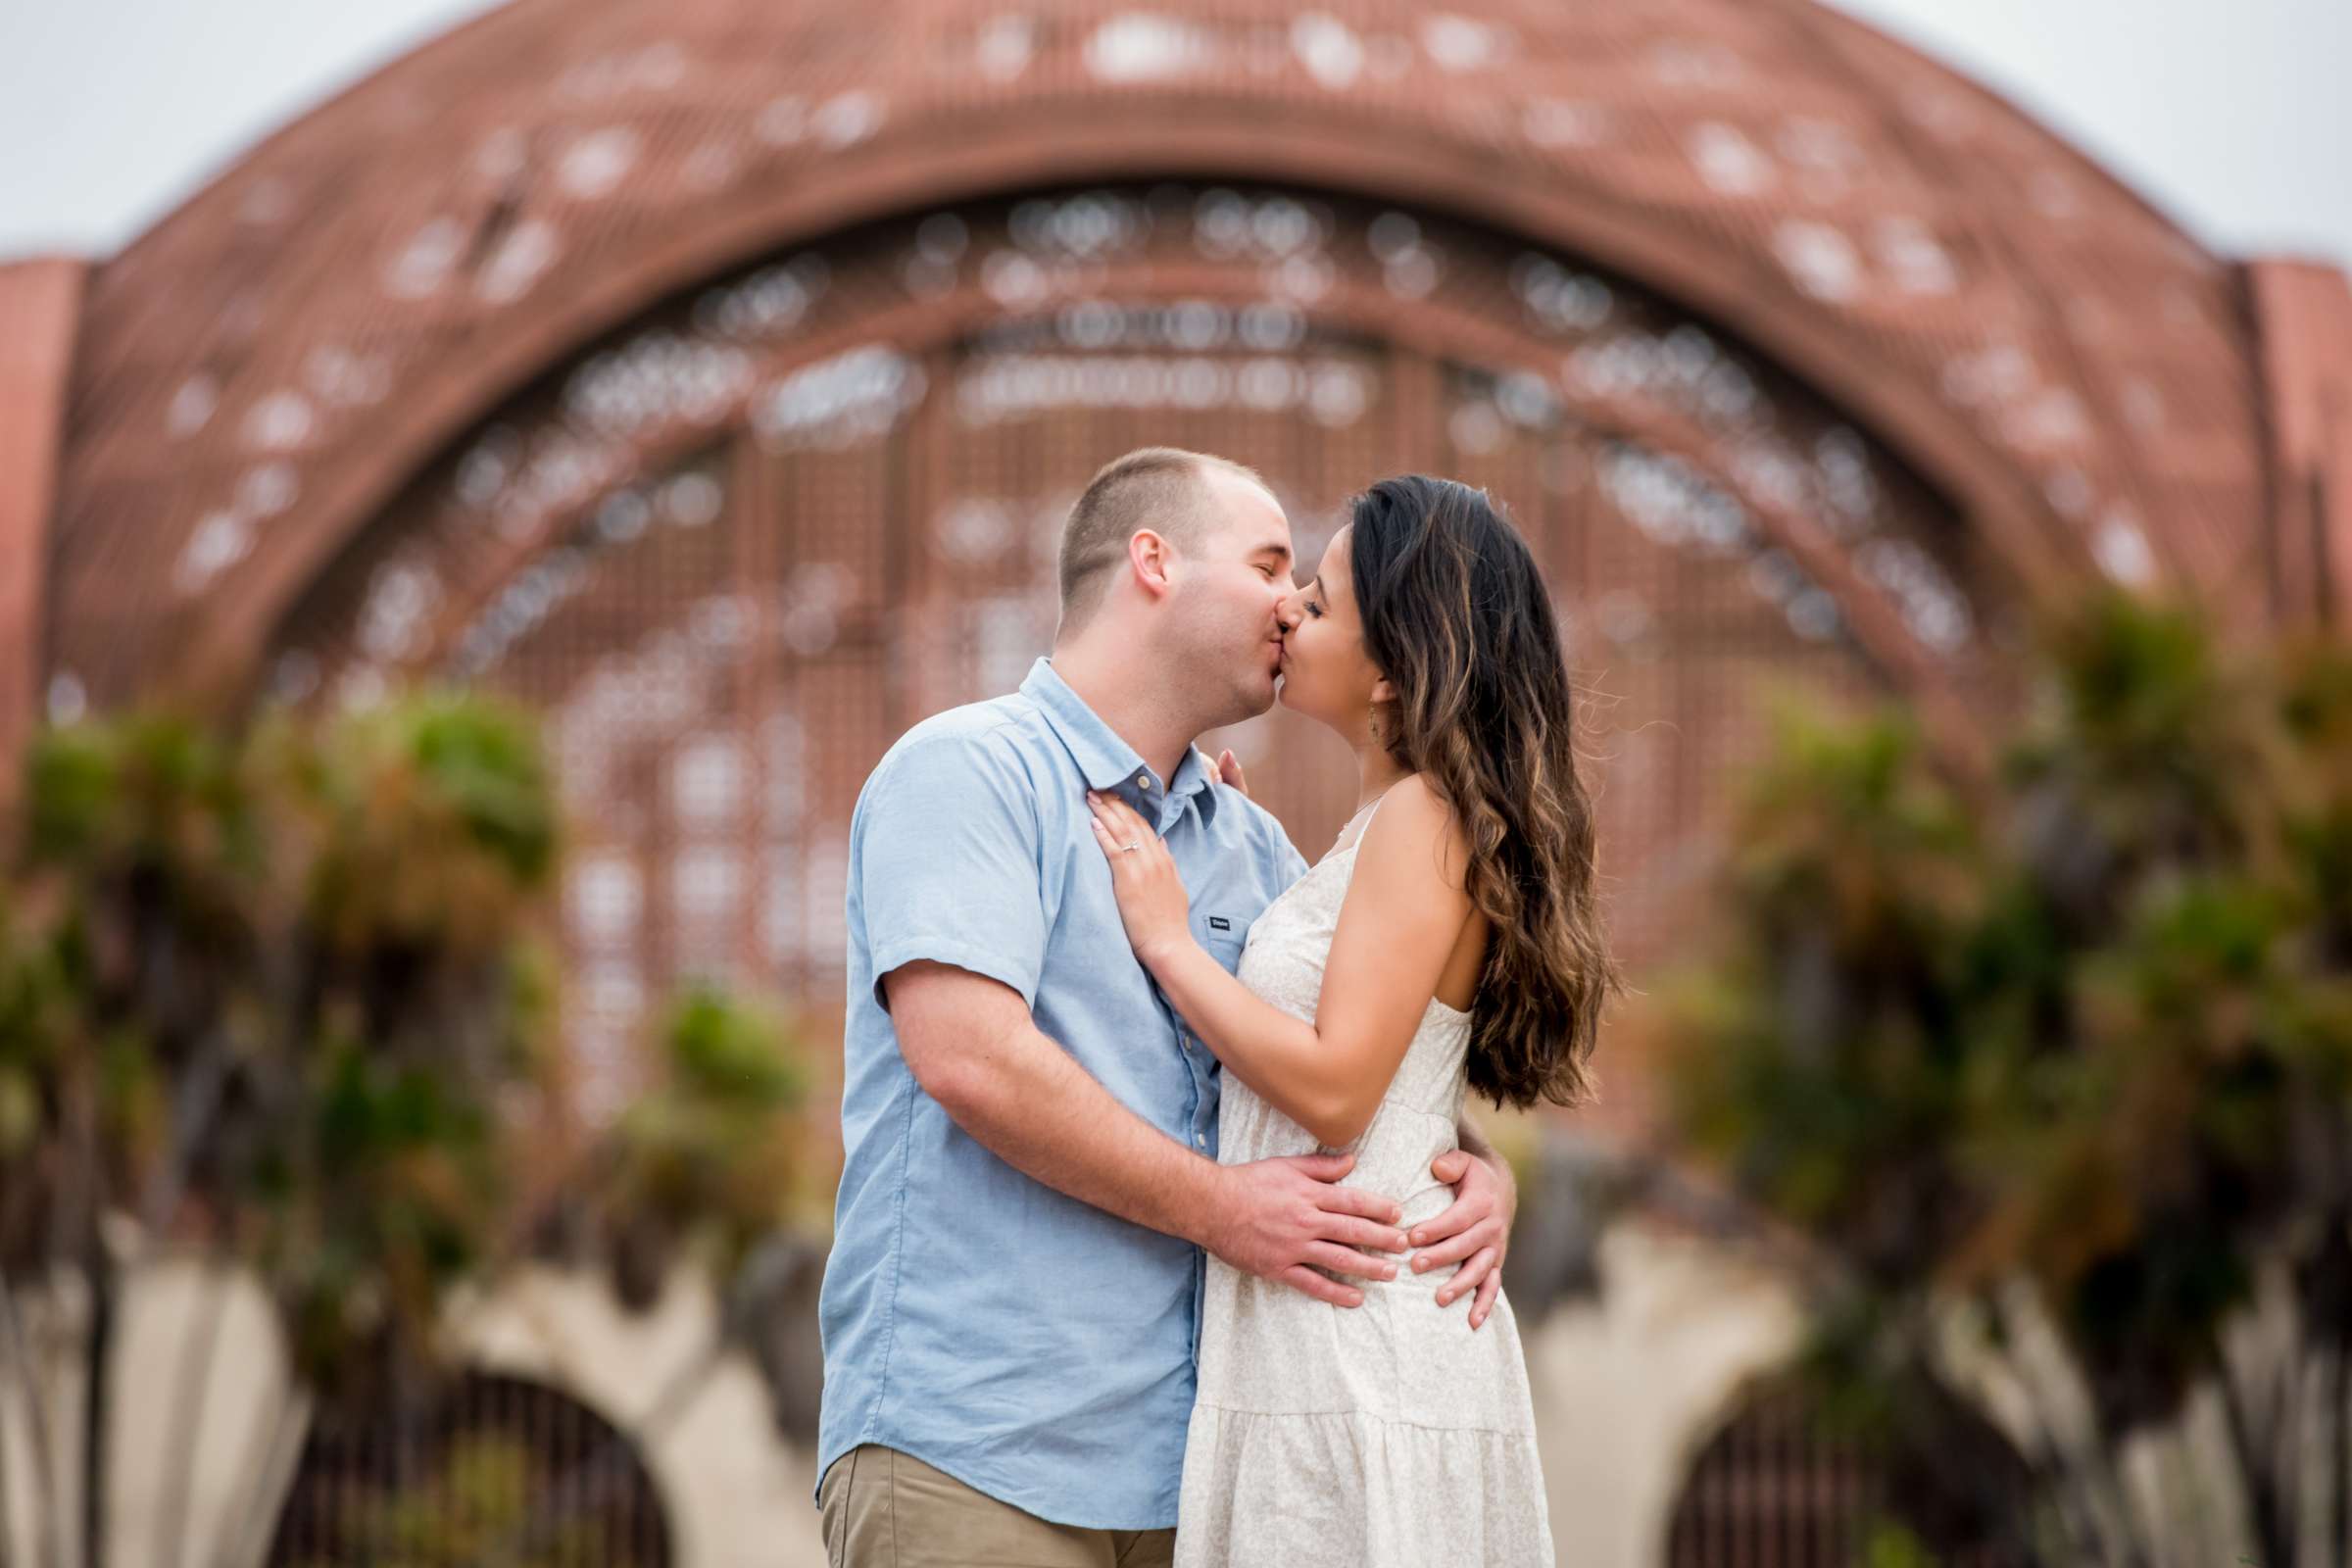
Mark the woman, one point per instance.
(1449, 943)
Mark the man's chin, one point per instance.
(1250, 699)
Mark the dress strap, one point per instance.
(1369, 816)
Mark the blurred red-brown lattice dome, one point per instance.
(592, 343)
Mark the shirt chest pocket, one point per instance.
(1221, 935)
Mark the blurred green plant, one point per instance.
(1888, 1544)
(713, 1156)
(2068, 1055)
(283, 1001)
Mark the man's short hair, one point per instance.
(1161, 488)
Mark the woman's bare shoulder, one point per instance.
(1415, 828)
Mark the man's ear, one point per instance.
(1152, 561)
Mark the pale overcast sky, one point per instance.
(2234, 115)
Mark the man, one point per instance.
(1012, 1308)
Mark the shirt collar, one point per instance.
(1106, 761)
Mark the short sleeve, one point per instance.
(948, 864)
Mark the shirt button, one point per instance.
(1201, 1140)
(1143, 781)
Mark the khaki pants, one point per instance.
(885, 1509)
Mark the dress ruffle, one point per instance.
(1351, 1489)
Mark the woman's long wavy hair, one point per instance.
(1456, 616)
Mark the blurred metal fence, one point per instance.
(499, 1473)
(1778, 1488)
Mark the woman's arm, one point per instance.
(1404, 911)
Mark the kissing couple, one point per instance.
(1162, 1235)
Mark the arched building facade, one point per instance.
(716, 377)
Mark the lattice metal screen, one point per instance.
(736, 549)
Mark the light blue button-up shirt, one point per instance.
(1025, 1342)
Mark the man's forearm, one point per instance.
(1022, 1098)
